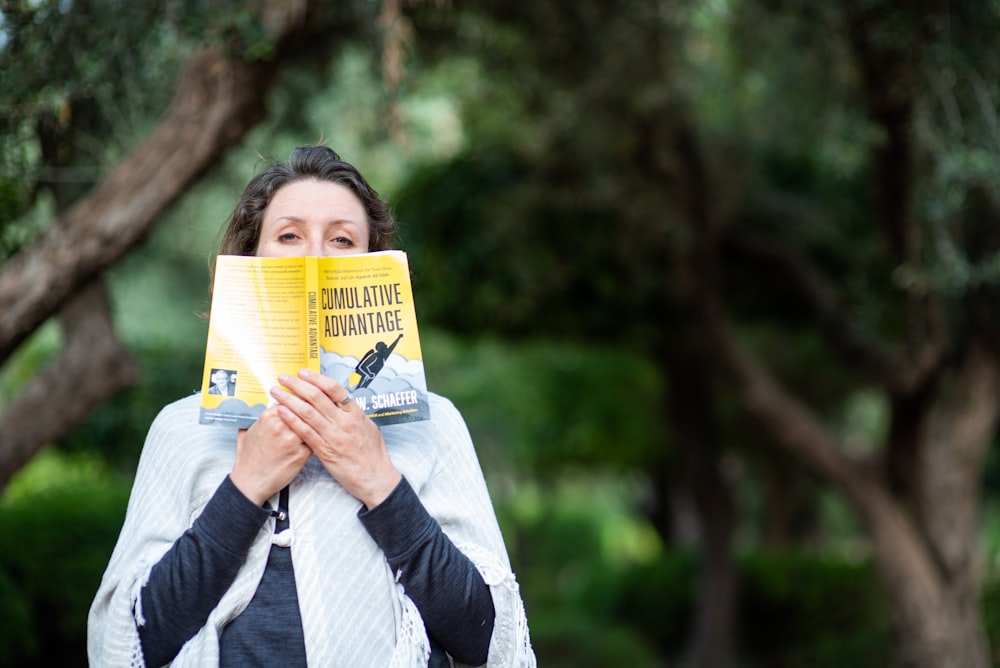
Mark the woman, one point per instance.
(313, 537)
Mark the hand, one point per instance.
(342, 437)
(268, 456)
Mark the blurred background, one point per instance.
(714, 283)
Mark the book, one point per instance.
(349, 317)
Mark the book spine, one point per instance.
(312, 312)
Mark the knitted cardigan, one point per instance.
(354, 612)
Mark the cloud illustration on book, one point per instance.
(237, 411)
(397, 375)
(400, 384)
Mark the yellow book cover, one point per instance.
(351, 317)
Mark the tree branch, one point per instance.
(91, 367)
(217, 100)
(962, 428)
(887, 366)
(789, 422)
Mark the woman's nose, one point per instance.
(315, 247)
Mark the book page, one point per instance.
(257, 331)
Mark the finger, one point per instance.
(302, 428)
(318, 389)
(337, 392)
(306, 401)
(269, 427)
(305, 390)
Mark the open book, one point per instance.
(350, 317)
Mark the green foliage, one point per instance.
(658, 600)
(18, 641)
(73, 101)
(591, 606)
(116, 430)
(990, 597)
(796, 609)
(575, 639)
(569, 567)
(58, 523)
(546, 210)
(440, 207)
(549, 406)
(500, 249)
(13, 204)
(28, 359)
(805, 610)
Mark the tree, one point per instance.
(563, 223)
(752, 235)
(220, 93)
(940, 375)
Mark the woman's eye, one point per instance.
(343, 241)
(287, 236)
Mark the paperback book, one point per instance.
(349, 317)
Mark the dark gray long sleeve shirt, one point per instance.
(190, 579)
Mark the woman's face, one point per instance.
(220, 377)
(313, 217)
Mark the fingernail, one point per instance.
(304, 373)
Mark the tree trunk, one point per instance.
(789, 503)
(923, 545)
(936, 622)
(216, 102)
(693, 422)
(926, 558)
(91, 367)
(946, 507)
(690, 369)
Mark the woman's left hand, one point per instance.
(342, 437)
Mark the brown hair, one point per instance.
(242, 233)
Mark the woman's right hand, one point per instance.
(268, 456)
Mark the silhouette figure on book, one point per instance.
(373, 361)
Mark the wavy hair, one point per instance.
(242, 232)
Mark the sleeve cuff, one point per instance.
(230, 519)
(400, 523)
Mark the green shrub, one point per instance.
(659, 600)
(573, 638)
(991, 614)
(18, 640)
(54, 547)
(800, 609)
(116, 429)
(793, 610)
